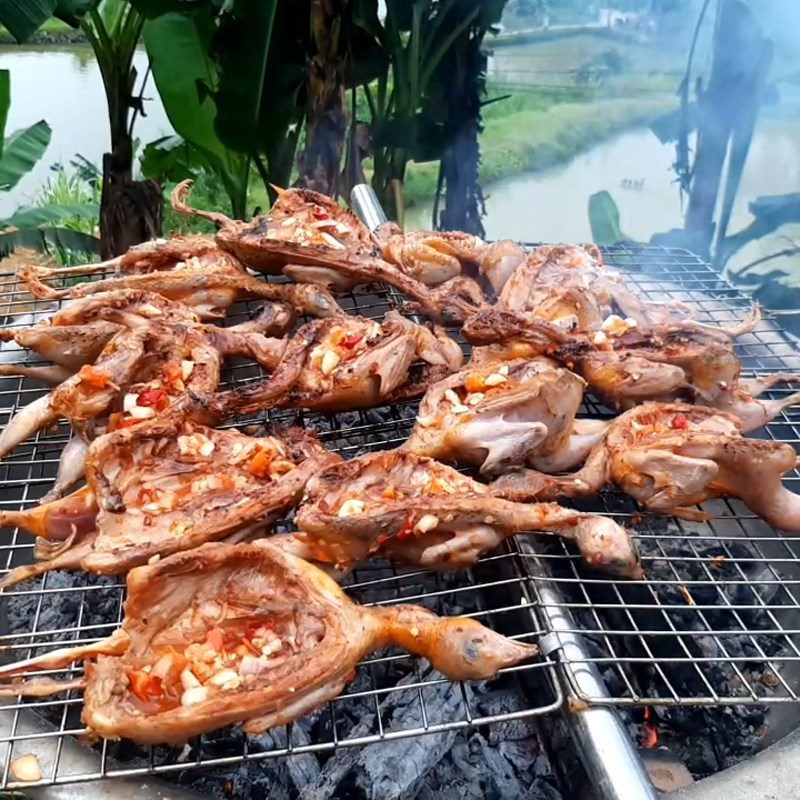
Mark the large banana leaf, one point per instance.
(39, 216)
(22, 18)
(604, 219)
(261, 48)
(172, 158)
(155, 8)
(5, 102)
(46, 239)
(21, 151)
(179, 47)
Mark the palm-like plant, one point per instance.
(408, 120)
(130, 211)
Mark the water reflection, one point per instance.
(63, 86)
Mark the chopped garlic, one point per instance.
(142, 412)
(195, 695)
(426, 523)
(129, 402)
(288, 221)
(187, 367)
(426, 422)
(631, 322)
(452, 397)
(475, 398)
(350, 507)
(323, 223)
(26, 768)
(148, 310)
(611, 322)
(195, 444)
(223, 676)
(503, 369)
(460, 409)
(272, 647)
(330, 241)
(495, 379)
(189, 679)
(329, 362)
(600, 338)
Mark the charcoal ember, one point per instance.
(503, 761)
(60, 608)
(247, 781)
(685, 571)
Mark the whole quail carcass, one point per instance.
(244, 634)
(671, 456)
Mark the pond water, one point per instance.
(551, 205)
(63, 86)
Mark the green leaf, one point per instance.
(22, 18)
(156, 8)
(5, 102)
(179, 49)
(604, 219)
(46, 239)
(368, 59)
(242, 45)
(39, 216)
(178, 46)
(261, 95)
(171, 158)
(21, 152)
(71, 11)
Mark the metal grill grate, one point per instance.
(717, 620)
(70, 608)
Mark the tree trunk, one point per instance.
(730, 98)
(130, 211)
(326, 119)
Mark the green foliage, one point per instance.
(406, 118)
(63, 218)
(69, 199)
(21, 151)
(179, 48)
(172, 158)
(64, 241)
(232, 80)
(604, 219)
(22, 18)
(51, 214)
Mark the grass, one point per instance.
(68, 188)
(538, 132)
(53, 30)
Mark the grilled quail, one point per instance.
(245, 634)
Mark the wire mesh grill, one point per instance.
(717, 620)
(71, 608)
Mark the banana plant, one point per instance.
(232, 79)
(130, 210)
(405, 125)
(35, 228)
